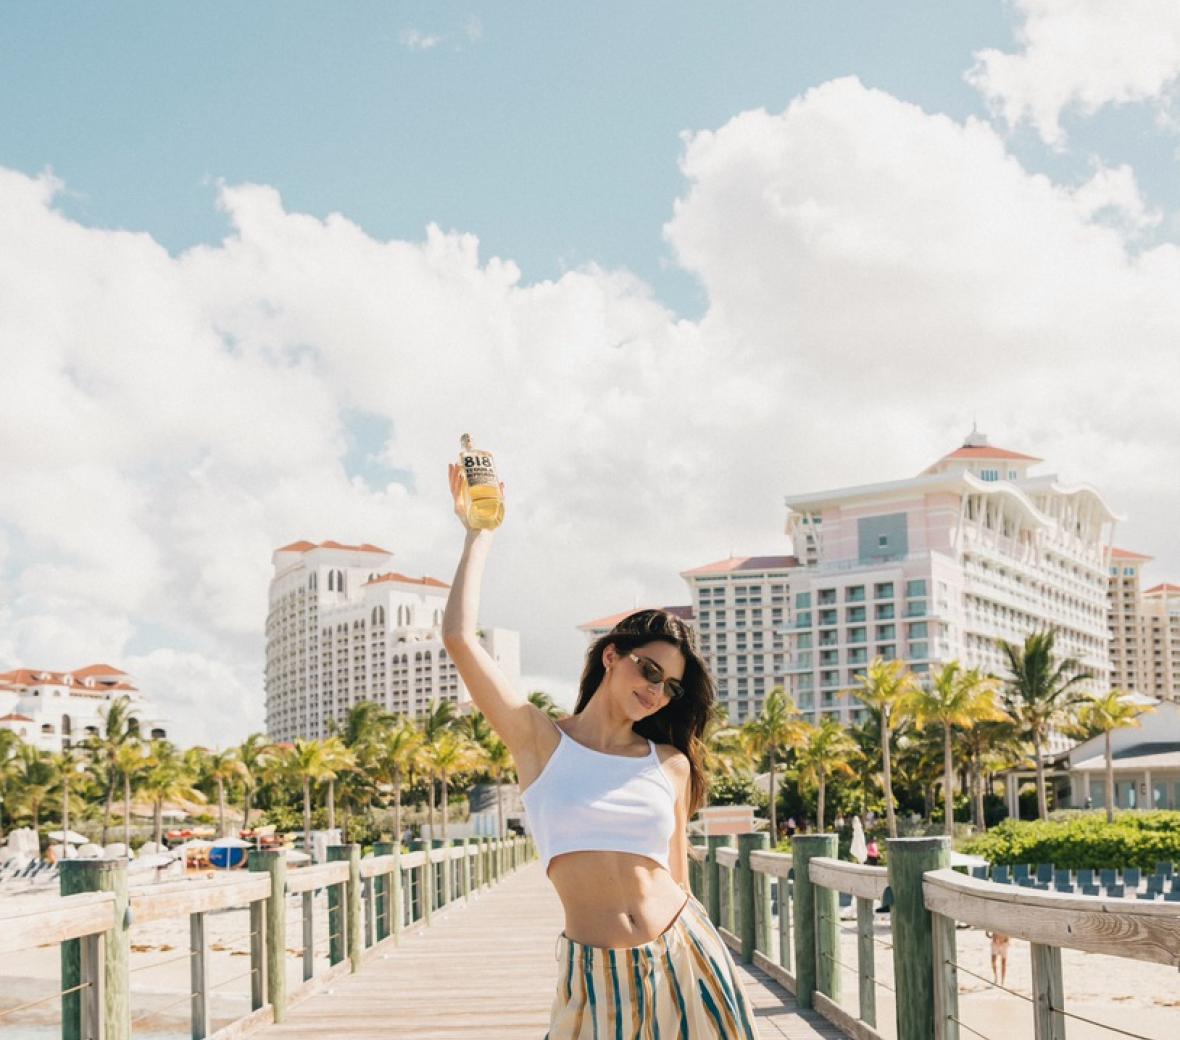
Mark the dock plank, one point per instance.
(484, 969)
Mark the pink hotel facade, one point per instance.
(974, 549)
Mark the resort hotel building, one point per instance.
(1144, 630)
(343, 628)
(55, 710)
(929, 569)
(942, 566)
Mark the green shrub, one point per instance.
(1135, 839)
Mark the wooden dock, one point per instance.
(485, 969)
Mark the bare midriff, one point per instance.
(614, 898)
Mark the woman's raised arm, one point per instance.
(507, 710)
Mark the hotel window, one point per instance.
(1011, 474)
(883, 590)
(887, 653)
(886, 632)
(917, 630)
(827, 596)
(803, 641)
(989, 474)
(827, 617)
(829, 657)
(918, 651)
(802, 599)
(858, 656)
(854, 594)
(855, 614)
(917, 587)
(857, 635)
(884, 611)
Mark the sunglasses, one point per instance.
(653, 675)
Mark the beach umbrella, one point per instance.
(232, 843)
(90, 851)
(296, 857)
(858, 850)
(73, 837)
(962, 859)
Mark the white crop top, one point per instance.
(591, 801)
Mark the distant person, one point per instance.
(792, 827)
(839, 822)
(1000, 943)
(872, 853)
(608, 791)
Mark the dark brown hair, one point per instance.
(680, 722)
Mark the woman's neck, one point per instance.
(601, 726)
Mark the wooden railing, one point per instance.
(752, 893)
(370, 901)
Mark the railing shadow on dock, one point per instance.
(780, 912)
(370, 902)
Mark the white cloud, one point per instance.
(420, 41)
(876, 277)
(1082, 54)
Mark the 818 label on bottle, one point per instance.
(478, 469)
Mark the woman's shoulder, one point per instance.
(673, 760)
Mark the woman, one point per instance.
(608, 792)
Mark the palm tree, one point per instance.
(35, 778)
(884, 688)
(166, 779)
(396, 759)
(1103, 715)
(10, 745)
(309, 761)
(67, 762)
(1039, 693)
(499, 764)
(542, 701)
(118, 727)
(823, 753)
(129, 762)
(254, 753)
(223, 767)
(363, 724)
(338, 759)
(450, 752)
(958, 698)
(989, 746)
(778, 727)
(725, 751)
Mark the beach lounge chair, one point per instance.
(1063, 884)
(1085, 877)
(1020, 873)
(1107, 877)
(1044, 873)
(979, 872)
(1090, 890)
(1164, 867)
(1115, 891)
(1000, 874)
(1173, 896)
(1132, 877)
(1061, 877)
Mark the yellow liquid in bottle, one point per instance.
(481, 488)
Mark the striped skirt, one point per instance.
(680, 986)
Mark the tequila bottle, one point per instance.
(481, 488)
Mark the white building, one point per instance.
(54, 710)
(941, 566)
(1144, 630)
(344, 628)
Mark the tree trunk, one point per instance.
(948, 781)
(977, 791)
(65, 812)
(1109, 781)
(127, 813)
(819, 809)
(1042, 800)
(430, 806)
(220, 807)
(397, 812)
(887, 770)
(106, 810)
(246, 807)
(500, 805)
(445, 806)
(307, 815)
(159, 820)
(773, 814)
(331, 803)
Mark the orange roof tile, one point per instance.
(96, 670)
(13, 717)
(1126, 554)
(984, 451)
(404, 579)
(744, 563)
(685, 613)
(305, 546)
(1165, 587)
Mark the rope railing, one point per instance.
(45, 1000)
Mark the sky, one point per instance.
(261, 265)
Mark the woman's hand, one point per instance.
(458, 480)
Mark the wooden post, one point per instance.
(102, 1011)
(465, 868)
(383, 895)
(946, 979)
(747, 894)
(353, 941)
(198, 945)
(866, 961)
(913, 940)
(813, 907)
(1048, 992)
(784, 924)
(712, 898)
(425, 882)
(308, 905)
(258, 964)
(273, 930)
(445, 888)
